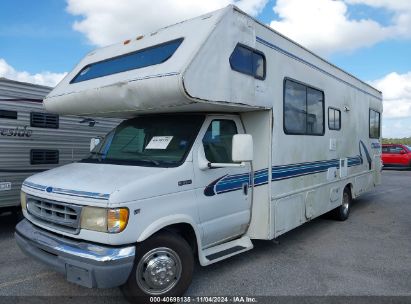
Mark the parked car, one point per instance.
(396, 155)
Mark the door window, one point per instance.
(218, 140)
(396, 149)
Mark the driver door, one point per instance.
(223, 194)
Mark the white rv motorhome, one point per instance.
(233, 132)
(33, 141)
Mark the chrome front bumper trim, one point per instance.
(83, 263)
(68, 247)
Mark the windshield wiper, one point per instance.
(99, 154)
(150, 161)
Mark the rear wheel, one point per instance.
(163, 267)
(342, 212)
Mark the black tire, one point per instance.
(169, 246)
(342, 212)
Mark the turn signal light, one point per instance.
(117, 220)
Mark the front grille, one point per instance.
(63, 216)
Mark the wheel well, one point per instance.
(186, 231)
(350, 188)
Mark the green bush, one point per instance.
(404, 141)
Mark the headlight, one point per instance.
(23, 200)
(104, 220)
(94, 219)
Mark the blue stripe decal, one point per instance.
(84, 194)
(34, 186)
(282, 51)
(375, 145)
(235, 182)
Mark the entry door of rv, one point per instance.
(223, 194)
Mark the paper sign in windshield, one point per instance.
(159, 142)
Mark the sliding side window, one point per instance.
(334, 119)
(375, 124)
(303, 109)
(248, 61)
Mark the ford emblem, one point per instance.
(49, 189)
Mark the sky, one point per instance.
(40, 41)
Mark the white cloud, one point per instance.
(396, 90)
(324, 26)
(105, 22)
(44, 78)
(401, 10)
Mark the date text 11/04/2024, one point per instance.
(204, 299)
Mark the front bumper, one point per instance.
(86, 264)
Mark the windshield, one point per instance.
(160, 141)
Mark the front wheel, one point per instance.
(163, 267)
(342, 212)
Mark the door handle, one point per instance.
(245, 189)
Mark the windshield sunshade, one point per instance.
(136, 60)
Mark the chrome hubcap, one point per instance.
(158, 271)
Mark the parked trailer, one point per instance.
(233, 133)
(33, 141)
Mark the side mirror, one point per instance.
(242, 148)
(93, 143)
(402, 152)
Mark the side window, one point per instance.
(303, 109)
(44, 120)
(8, 114)
(315, 112)
(396, 149)
(385, 149)
(218, 139)
(334, 119)
(258, 65)
(375, 124)
(295, 114)
(135, 60)
(248, 61)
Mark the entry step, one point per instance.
(226, 250)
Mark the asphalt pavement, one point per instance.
(367, 255)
